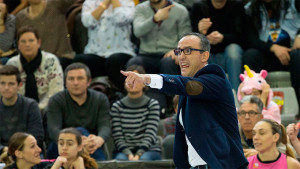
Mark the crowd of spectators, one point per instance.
(44, 84)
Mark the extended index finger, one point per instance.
(125, 73)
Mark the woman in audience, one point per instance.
(23, 153)
(109, 46)
(7, 32)
(134, 124)
(267, 134)
(71, 152)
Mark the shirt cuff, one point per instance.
(156, 81)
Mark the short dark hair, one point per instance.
(8, 70)
(78, 65)
(138, 68)
(204, 43)
(26, 29)
(253, 100)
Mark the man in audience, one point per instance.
(49, 18)
(249, 113)
(17, 113)
(78, 106)
(159, 24)
(41, 73)
(221, 21)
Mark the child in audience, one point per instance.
(255, 84)
(267, 134)
(71, 152)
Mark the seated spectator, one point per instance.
(221, 21)
(249, 113)
(7, 33)
(134, 124)
(267, 135)
(273, 37)
(170, 122)
(49, 18)
(255, 84)
(18, 113)
(41, 73)
(15, 6)
(23, 152)
(71, 152)
(159, 25)
(109, 30)
(78, 106)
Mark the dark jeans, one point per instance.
(257, 61)
(111, 66)
(52, 152)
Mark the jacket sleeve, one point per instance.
(124, 14)
(35, 125)
(54, 117)
(103, 121)
(87, 18)
(206, 86)
(55, 80)
(142, 24)
(184, 22)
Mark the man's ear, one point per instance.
(205, 56)
(39, 42)
(89, 81)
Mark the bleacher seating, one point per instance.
(290, 107)
(279, 79)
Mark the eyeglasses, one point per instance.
(186, 51)
(250, 113)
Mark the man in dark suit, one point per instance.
(206, 127)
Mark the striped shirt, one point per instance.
(134, 125)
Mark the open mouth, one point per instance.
(184, 65)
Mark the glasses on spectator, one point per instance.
(186, 51)
(250, 113)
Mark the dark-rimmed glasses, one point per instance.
(250, 113)
(186, 51)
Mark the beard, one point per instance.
(155, 2)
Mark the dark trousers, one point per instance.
(257, 61)
(111, 66)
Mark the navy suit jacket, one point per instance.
(209, 118)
